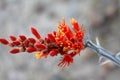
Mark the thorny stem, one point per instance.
(103, 52)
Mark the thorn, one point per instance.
(97, 41)
(117, 55)
(100, 59)
(105, 62)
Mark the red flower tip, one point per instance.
(39, 46)
(22, 37)
(35, 33)
(30, 49)
(4, 41)
(32, 40)
(67, 59)
(53, 53)
(13, 38)
(75, 25)
(14, 51)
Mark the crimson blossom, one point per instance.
(64, 42)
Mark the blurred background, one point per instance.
(101, 18)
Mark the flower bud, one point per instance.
(53, 53)
(14, 51)
(16, 43)
(39, 46)
(4, 41)
(47, 40)
(30, 49)
(13, 38)
(26, 43)
(51, 37)
(22, 37)
(32, 40)
(35, 33)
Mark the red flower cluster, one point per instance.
(65, 42)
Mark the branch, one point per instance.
(103, 52)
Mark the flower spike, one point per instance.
(64, 42)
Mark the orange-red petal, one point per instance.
(39, 55)
(66, 61)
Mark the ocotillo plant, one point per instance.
(65, 42)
